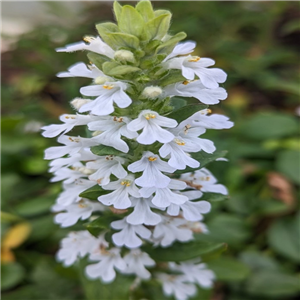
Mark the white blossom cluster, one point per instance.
(150, 203)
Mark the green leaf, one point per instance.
(259, 261)
(34, 206)
(204, 159)
(93, 192)
(272, 284)
(104, 29)
(119, 39)
(105, 150)
(228, 269)
(177, 102)
(228, 228)
(103, 222)
(173, 76)
(11, 275)
(117, 9)
(157, 28)
(185, 112)
(268, 126)
(112, 69)
(214, 197)
(184, 251)
(145, 8)
(131, 21)
(97, 59)
(119, 289)
(288, 163)
(168, 46)
(283, 237)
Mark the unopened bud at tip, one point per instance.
(151, 92)
(78, 102)
(124, 55)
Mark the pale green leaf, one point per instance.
(131, 21)
(144, 7)
(158, 27)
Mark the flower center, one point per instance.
(126, 182)
(152, 158)
(119, 120)
(70, 117)
(186, 128)
(108, 87)
(194, 59)
(179, 142)
(150, 116)
(205, 178)
(109, 157)
(89, 39)
(205, 111)
(76, 140)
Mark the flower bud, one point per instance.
(151, 92)
(78, 102)
(124, 56)
(101, 80)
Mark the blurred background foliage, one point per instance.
(257, 44)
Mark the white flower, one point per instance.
(177, 286)
(206, 180)
(112, 128)
(151, 165)
(170, 230)
(72, 190)
(72, 145)
(193, 65)
(151, 123)
(136, 261)
(70, 121)
(197, 90)
(128, 234)
(164, 196)
(195, 272)
(84, 154)
(182, 49)
(122, 188)
(151, 92)
(200, 119)
(95, 45)
(190, 136)
(105, 166)
(142, 213)
(81, 210)
(68, 175)
(107, 93)
(77, 244)
(177, 149)
(191, 211)
(81, 70)
(109, 260)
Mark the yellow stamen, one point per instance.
(186, 82)
(89, 39)
(150, 116)
(126, 182)
(152, 158)
(194, 59)
(179, 142)
(108, 87)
